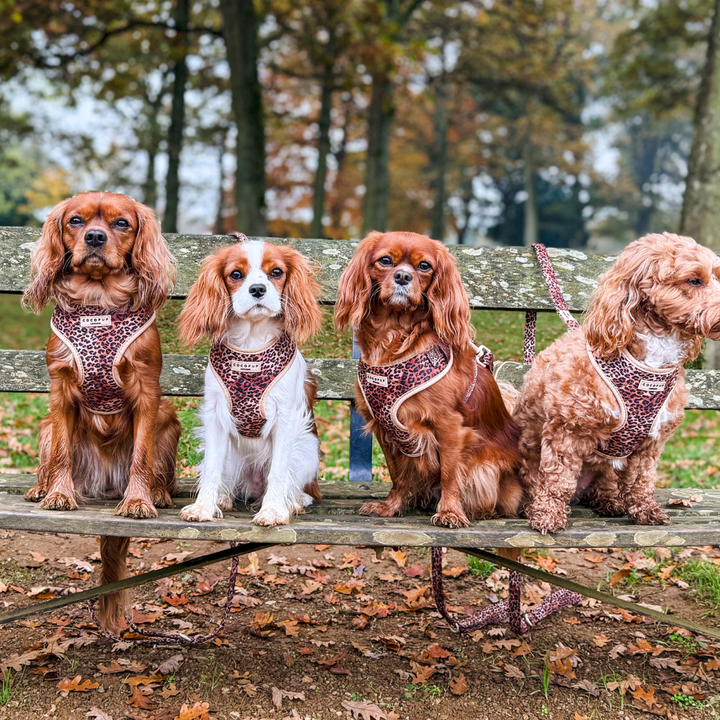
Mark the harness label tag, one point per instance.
(379, 380)
(87, 321)
(435, 356)
(566, 315)
(652, 385)
(245, 367)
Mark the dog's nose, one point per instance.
(403, 277)
(95, 238)
(257, 291)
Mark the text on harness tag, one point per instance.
(378, 380)
(95, 321)
(652, 385)
(248, 367)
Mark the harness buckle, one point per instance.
(483, 356)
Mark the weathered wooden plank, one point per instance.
(505, 277)
(343, 529)
(344, 497)
(184, 376)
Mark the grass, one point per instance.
(481, 568)
(691, 457)
(704, 578)
(5, 688)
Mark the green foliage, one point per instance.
(704, 578)
(5, 688)
(481, 568)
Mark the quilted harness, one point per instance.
(247, 376)
(386, 387)
(640, 391)
(98, 338)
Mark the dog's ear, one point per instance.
(617, 300)
(208, 303)
(48, 260)
(448, 302)
(303, 317)
(151, 260)
(355, 285)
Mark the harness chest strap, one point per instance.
(248, 376)
(98, 338)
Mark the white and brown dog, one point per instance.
(256, 300)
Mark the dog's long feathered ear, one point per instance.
(303, 317)
(151, 260)
(614, 305)
(355, 285)
(448, 302)
(48, 259)
(208, 303)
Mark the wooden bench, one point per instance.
(495, 278)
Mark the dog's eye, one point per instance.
(276, 273)
(122, 223)
(75, 220)
(236, 275)
(424, 266)
(385, 261)
(695, 282)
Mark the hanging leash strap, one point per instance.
(484, 357)
(509, 611)
(153, 637)
(556, 295)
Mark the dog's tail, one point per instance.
(113, 552)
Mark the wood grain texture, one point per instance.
(504, 278)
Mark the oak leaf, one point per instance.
(66, 686)
(364, 710)
(458, 686)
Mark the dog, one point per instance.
(256, 300)
(598, 405)
(436, 411)
(102, 258)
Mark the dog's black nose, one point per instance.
(257, 291)
(403, 277)
(95, 238)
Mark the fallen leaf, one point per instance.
(139, 698)
(66, 686)
(399, 556)
(199, 711)
(588, 686)
(98, 714)
(279, 695)
(169, 691)
(38, 557)
(364, 710)
(601, 640)
(458, 686)
(619, 575)
(171, 665)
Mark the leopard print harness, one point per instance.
(641, 393)
(386, 387)
(247, 377)
(98, 339)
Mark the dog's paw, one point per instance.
(58, 501)
(35, 493)
(136, 508)
(448, 518)
(271, 516)
(651, 515)
(200, 513)
(548, 521)
(376, 507)
(161, 498)
(225, 503)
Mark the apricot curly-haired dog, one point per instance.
(452, 439)
(102, 258)
(580, 438)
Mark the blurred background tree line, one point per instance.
(565, 121)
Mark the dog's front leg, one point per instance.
(60, 491)
(561, 460)
(637, 485)
(137, 501)
(212, 488)
(294, 465)
(450, 510)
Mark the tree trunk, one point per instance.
(326, 100)
(439, 161)
(377, 183)
(240, 31)
(177, 121)
(152, 148)
(701, 204)
(219, 230)
(530, 224)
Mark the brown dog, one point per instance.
(103, 259)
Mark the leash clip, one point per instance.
(484, 357)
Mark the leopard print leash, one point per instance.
(510, 611)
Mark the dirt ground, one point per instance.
(334, 632)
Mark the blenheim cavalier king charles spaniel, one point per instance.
(436, 411)
(103, 260)
(256, 300)
(598, 405)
